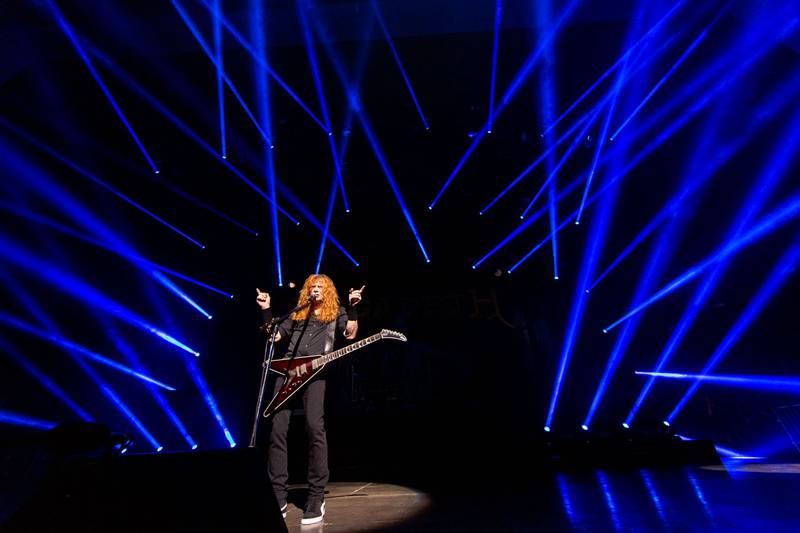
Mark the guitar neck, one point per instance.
(327, 358)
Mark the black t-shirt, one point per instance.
(310, 335)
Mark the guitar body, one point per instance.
(297, 371)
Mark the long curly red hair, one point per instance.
(330, 299)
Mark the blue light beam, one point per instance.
(397, 60)
(20, 325)
(140, 261)
(745, 381)
(133, 359)
(164, 111)
(205, 391)
(251, 50)
(81, 290)
(202, 205)
(777, 218)
(662, 250)
(567, 134)
(601, 139)
(652, 31)
(387, 171)
(755, 200)
(775, 280)
(655, 266)
(285, 191)
(720, 156)
(53, 334)
(589, 115)
(207, 50)
(594, 245)
(96, 180)
(699, 39)
(196, 374)
(262, 90)
(68, 31)
(498, 14)
(576, 142)
(665, 134)
(220, 69)
(351, 88)
(17, 419)
(547, 97)
(51, 386)
(344, 142)
(510, 92)
(166, 282)
(313, 63)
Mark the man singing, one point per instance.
(311, 331)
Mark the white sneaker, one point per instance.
(315, 510)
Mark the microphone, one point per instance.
(312, 297)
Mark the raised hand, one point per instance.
(262, 299)
(354, 296)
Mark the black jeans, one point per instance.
(314, 405)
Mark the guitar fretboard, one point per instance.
(327, 358)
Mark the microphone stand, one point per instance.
(269, 350)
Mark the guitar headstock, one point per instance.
(394, 335)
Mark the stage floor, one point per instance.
(740, 497)
(360, 507)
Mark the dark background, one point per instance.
(472, 374)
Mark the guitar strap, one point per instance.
(330, 335)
